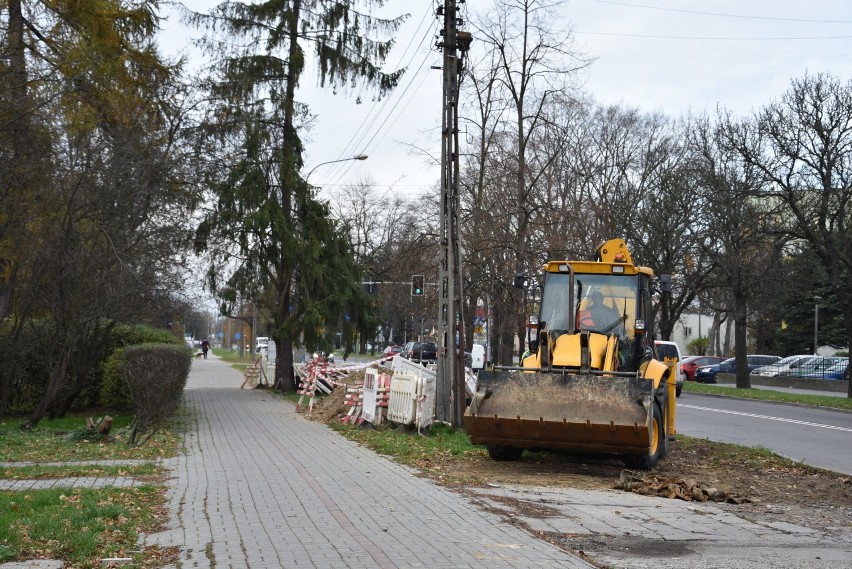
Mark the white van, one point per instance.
(260, 343)
(477, 356)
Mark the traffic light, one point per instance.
(417, 285)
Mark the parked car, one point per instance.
(815, 367)
(839, 371)
(707, 374)
(420, 351)
(783, 366)
(692, 363)
(671, 351)
(391, 351)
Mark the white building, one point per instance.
(692, 326)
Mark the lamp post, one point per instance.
(817, 300)
(357, 157)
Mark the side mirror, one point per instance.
(665, 283)
(520, 280)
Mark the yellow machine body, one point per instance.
(585, 386)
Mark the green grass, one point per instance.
(79, 526)
(66, 440)
(770, 395)
(234, 357)
(71, 471)
(411, 448)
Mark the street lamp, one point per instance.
(817, 300)
(357, 157)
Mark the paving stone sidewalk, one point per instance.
(260, 486)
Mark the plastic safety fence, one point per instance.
(402, 406)
(375, 396)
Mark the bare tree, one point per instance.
(392, 240)
(804, 153)
(741, 243)
(535, 63)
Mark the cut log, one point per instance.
(105, 425)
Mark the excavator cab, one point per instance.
(591, 381)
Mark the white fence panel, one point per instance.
(402, 406)
(426, 400)
(370, 394)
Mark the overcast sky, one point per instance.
(658, 55)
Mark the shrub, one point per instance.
(113, 393)
(699, 346)
(154, 376)
(131, 334)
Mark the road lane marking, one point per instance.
(768, 417)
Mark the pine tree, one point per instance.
(268, 237)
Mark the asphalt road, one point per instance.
(816, 436)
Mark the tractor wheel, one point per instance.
(504, 452)
(657, 448)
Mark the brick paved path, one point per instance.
(260, 486)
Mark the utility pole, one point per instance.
(450, 377)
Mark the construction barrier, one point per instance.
(375, 396)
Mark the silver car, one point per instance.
(784, 366)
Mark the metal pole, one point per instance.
(450, 386)
(817, 300)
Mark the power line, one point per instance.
(369, 118)
(344, 169)
(721, 15)
(379, 129)
(715, 38)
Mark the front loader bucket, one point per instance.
(561, 410)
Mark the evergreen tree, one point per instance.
(268, 237)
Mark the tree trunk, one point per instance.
(740, 341)
(54, 385)
(18, 87)
(726, 345)
(714, 336)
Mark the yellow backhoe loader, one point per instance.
(591, 380)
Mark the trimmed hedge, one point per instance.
(153, 377)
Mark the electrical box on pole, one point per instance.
(451, 338)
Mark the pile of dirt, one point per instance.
(333, 407)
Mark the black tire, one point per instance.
(658, 447)
(504, 452)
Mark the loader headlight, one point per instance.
(618, 269)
